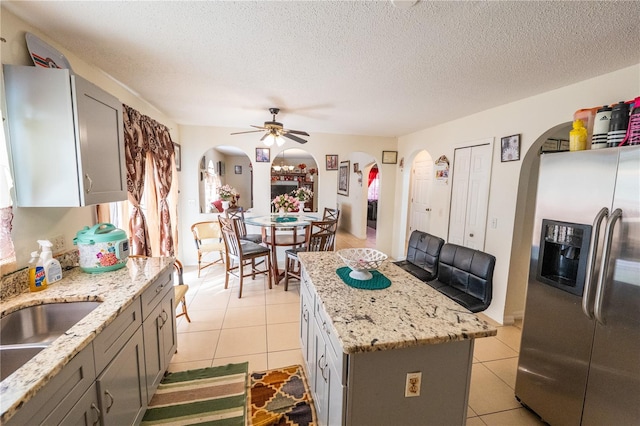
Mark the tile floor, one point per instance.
(262, 328)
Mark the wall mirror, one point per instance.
(220, 167)
(292, 170)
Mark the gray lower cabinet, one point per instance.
(111, 380)
(368, 388)
(85, 412)
(122, 387)
(160, 340)
(52, 403)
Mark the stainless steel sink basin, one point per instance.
(27, 331)
(42, 324)
(14, 357)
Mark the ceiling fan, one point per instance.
(274, 132)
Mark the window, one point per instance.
(7, 252)
(211, 185)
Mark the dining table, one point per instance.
(281, 232)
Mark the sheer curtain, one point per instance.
(7, 253)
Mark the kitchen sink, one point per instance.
(42, 324)
(15, 356)
(27, 331)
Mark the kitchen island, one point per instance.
(364, 349)
(139, 291)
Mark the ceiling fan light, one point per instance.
(279, 140)
(268, 141)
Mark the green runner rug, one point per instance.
(212, 396)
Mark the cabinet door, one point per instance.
(306, 337)
(101, 137)
(85, 412)
(321, 387)
(121, 387)
(160, 341)
(336, 393)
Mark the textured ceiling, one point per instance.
(365, 68)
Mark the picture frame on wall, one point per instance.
(263, 155)
(389, 157)
(343, 178)
(220, 168)
(237, 170)
(177, 152)
(331, 161)
(510, 148)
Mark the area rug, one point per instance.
(212, 396)
(280, 397)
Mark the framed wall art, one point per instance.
(262, 155)
(389, 157)
(331, 162)
(510, 148)
(237, 170)
(343, 178)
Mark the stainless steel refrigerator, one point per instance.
(580, 350)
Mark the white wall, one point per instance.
(531, 118)
(196, 140)
(31, 224)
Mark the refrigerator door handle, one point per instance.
(591, 261)
(604, 266)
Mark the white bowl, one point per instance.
(361, 261)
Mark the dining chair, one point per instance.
(320, 236)
(331, 214)
(208, 240)
(238, 213)
(242, 253)
(275, 236)
(180, 290)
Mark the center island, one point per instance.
(401, 355)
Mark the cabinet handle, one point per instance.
(322, 365)
(164, 316)
(111, 400)
(96, 410)
(159, 289)
(427, 209)
(305, 314)
(325, 328)
(471, 235)
(86, 175)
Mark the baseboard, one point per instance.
(511, 319)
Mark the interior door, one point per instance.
(470, 196)
(422, 179)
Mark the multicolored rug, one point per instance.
(280, 397)
(215, 396)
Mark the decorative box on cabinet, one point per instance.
(66, 139)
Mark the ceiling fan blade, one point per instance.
(249, 131)
(259, 127)
(294, 138)
(265, 136)
(296, 132)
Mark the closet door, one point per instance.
(470, 196)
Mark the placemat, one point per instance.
(286, 219)
(378, 282)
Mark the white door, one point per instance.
(470, 196)
(422, 178)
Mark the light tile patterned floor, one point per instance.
(262, 328)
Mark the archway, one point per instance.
(295, 171)
(224, 165)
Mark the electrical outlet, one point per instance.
(413, 384)
(58, 244)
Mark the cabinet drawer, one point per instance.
(156, 292)
(325, 330)
(52, 403)
(305, 288)
(109, 342)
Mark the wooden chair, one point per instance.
(242, 253)
(320, 236)
(331, 214)
(180, 290)
(238, 213)
(208, 240)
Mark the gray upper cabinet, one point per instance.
(66, 139)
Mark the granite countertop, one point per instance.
(408, 313)
(116, 290)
